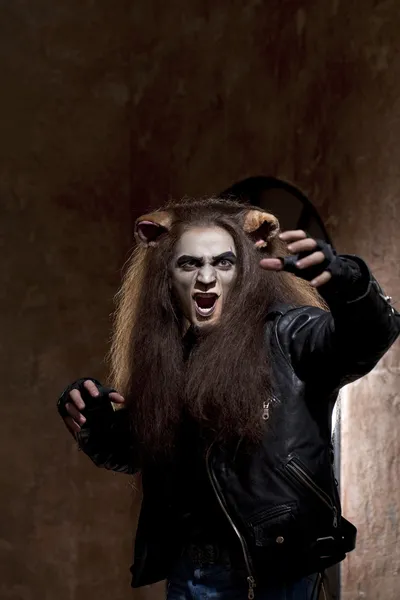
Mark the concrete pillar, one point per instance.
(370, 409)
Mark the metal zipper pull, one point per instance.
(265, 414)
(306, 479)
(335, 517)
(252, 585)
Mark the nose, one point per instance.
(206, 276)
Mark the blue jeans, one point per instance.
(221, 582)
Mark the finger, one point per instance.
(302, 246)
(316, 258)
(271, 264)
(91, 388)
(74, 413)
(321, 279)
(76, 398)
(117, 398)
(293, 235)
(72, 426)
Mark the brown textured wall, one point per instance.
(65, 231)
(209, 93)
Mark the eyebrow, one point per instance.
(224, 256)
(186, 258)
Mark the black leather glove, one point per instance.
(329, 264)
(348, 277)
(98, 408)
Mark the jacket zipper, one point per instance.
(265, 414)
(300, 474)
(250, 578)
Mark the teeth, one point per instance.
(206, 312)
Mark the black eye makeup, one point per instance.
(225, 260)
(189, 262)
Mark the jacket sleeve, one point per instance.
(108, 442)
(337, 347)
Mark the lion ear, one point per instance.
(149, 228)
(261, 226)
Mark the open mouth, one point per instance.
(205, 303)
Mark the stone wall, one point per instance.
(108, 110)
(66, 530)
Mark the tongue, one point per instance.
(205, 302)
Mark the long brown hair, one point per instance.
(226, 379)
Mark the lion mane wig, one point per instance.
(226, 379)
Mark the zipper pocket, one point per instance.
(270, 513)
(299, 473)
(250, 578)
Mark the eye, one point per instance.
(224, 263)
(189, 265)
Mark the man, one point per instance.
(228, 364)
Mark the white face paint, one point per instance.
(202, 271)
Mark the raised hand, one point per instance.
(72, 408)
(311, 256)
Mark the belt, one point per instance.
(206, 554)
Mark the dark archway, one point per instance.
(293, 209)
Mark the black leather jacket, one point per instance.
(282, 500)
